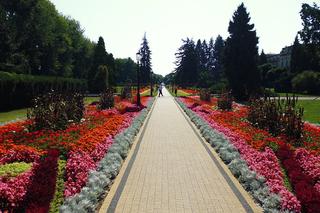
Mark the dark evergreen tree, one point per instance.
(206, 54)
(211, 56)
(146, 67)
(297, 63)
(241, 54)
(262, 58)
(99, 58)
(218, 50)
(186, 72)
(204, 76)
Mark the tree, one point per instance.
(186, 72)
(297, 63)
(218, 50)
(146, 68)
(262, 58)
(99, 58)
(204, 77)
(241, 54)
(310, 35)
(36, 39)
(310, 15)
(101, 79)
(125, 71)
(307, 81)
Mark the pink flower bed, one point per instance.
(264, 163)
(14, 190)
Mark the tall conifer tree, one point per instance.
(146, 66)
(241, 56)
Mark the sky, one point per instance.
(122, 24)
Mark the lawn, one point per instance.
(145, 93)
(283, 94)
(311, 110)
(13, 115)
(182, 93)
(22, 113)
(89, 100)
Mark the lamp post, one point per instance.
(151, 86)
(138, 78)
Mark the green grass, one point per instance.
(282, 94)
(145, 93)
(311, 110)
(118, 89)
(182, 93)
(89, 100)
(14, 169)
(13, 115)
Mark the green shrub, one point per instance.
(17, 90)
(205, 95)
(126, 92)
(278, 117)
(14, 169)
(101, 80)
(75, 106)
(280, 79)
(106, 100)
(225, 101)
(219, 86)
(307, 82)
(55, 111)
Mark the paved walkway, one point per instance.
(171, 170)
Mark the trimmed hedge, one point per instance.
(17, 90)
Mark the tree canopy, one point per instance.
(36, 39)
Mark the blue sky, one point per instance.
(122, 23)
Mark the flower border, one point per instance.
(108, 168)
(253, 183)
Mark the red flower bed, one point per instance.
(83, 144)
(43, 182)
(303, 171)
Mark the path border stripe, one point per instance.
(117, 195)
(235, 190)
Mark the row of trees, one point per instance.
(235, 59)
(35, 39)
(237, 63)
(199, 64)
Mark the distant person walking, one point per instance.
(160, 90)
